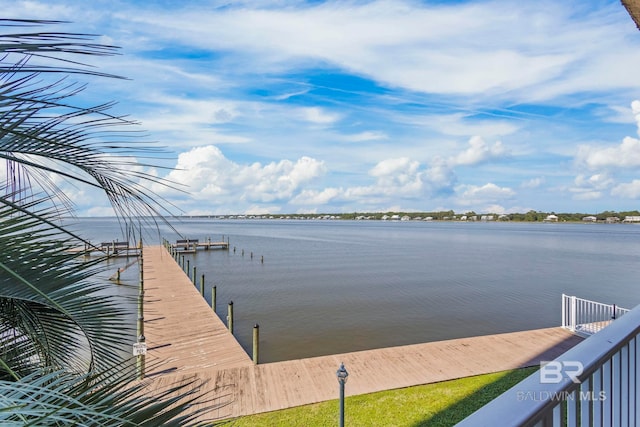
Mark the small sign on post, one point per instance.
(139, 348)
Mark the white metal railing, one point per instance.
(588, 317)
(596, 383)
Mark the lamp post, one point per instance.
(342, 375)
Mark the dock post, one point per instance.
(201, 284)
(118, 276)
(213, 298)
(262, 259)
(230, 317)
(193, 278)
(256, 341)
(251, 254)
(188, 267)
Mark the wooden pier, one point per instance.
(187, 339)
(192, 245)
(111, 249)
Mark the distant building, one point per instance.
(589, 219)
(551, 218)
(631, 218)
(612, 219)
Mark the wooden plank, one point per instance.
(207, 349)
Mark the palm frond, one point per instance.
(105, 398)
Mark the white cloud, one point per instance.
(440, 175)
(365, 136)
(600, 181)
(317, 198)
(478, 151)
(401, 175)
(318, 115)
(625, 155)
(629, 190)
(591, 187)
(472, 195)
(208, 175)
(468, 48)
(460, 124)
(533, 183)
(635, 108)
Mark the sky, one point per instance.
(290, 106)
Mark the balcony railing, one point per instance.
(596, 383)
(587, 317)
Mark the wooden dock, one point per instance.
(182, 333)
(187, 338)
(113, 249)
(192, 245)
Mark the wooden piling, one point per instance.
(213, 298)
(201, 284)
(230, 317)
(256, 343)
(193, 277)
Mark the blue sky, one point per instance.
(281, 106)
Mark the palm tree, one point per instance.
(58, 326)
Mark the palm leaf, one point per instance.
(60, 330)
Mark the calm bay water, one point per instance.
(338, 286)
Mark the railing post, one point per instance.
(572, 314)
(564, 311)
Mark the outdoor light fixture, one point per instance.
(342, 375)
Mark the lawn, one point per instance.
(439, 404)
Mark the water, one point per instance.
(337, 286)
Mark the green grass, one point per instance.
(439, 404)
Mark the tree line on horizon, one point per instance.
(450, 215)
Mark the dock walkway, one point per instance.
(188, 338)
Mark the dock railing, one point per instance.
(587, 317)
(596, 383)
